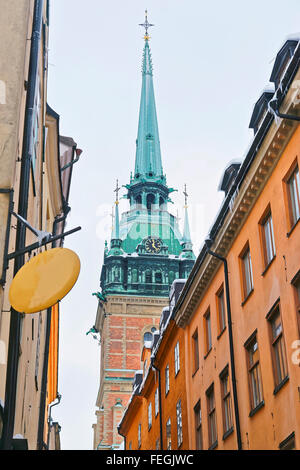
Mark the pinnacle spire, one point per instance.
(115, 236)
(186, 229)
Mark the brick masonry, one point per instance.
(122, 322)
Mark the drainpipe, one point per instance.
(50, 418)
(15, 319)
(40, 440)
(208, 243)
(160, 406)
(68, 165)
(274, 106)
(124, 437)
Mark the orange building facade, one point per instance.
(238, 317)
(156, 415)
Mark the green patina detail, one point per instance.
(128, 267)
(100, 296)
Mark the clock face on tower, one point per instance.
(153, 245)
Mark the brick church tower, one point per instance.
(147, 253)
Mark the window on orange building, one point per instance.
(156, 396)
(168, 434)
(149, 415)
(139, 435)
(288, 443)
(198, 426)
(157, 444)
(167, 379)
(267, 237)
(207, 324)
(130, 445)
(226, 401)
(293, 190)
(179, 423)
(278, 346)
(296, 285)
(195, 346)
(246, 268)
(177, 358)
(254, 373)
(221, 310)
(211, 417)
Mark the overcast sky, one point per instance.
(211, 62)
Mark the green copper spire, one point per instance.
(147, 249)
(148, 165)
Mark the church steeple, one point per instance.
(148, 164)
(147, 250)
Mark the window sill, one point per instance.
(227, 433)
(220, 334)
(195, 372)
(207, 353)
(177, 373)
(292, 229)
(247, 297)
(257, 408)
(268, 265)
(213, 446)
(279, 386)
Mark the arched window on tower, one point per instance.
(171, 277)
(150, 201)
(158, 277)
(138, 201)
(134, 275)
(148, 276)
(161, 202)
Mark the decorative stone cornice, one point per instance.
(242, 201)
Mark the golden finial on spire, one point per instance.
(146, 25)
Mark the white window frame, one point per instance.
(156, 402)
(179, 423)
(150, 416)
(177, 358)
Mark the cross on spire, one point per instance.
(185, 196)
(117, 192)
(146, 25)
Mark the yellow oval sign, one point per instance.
(44, 280)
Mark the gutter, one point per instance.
(15, 318)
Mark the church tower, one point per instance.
(146, 254)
